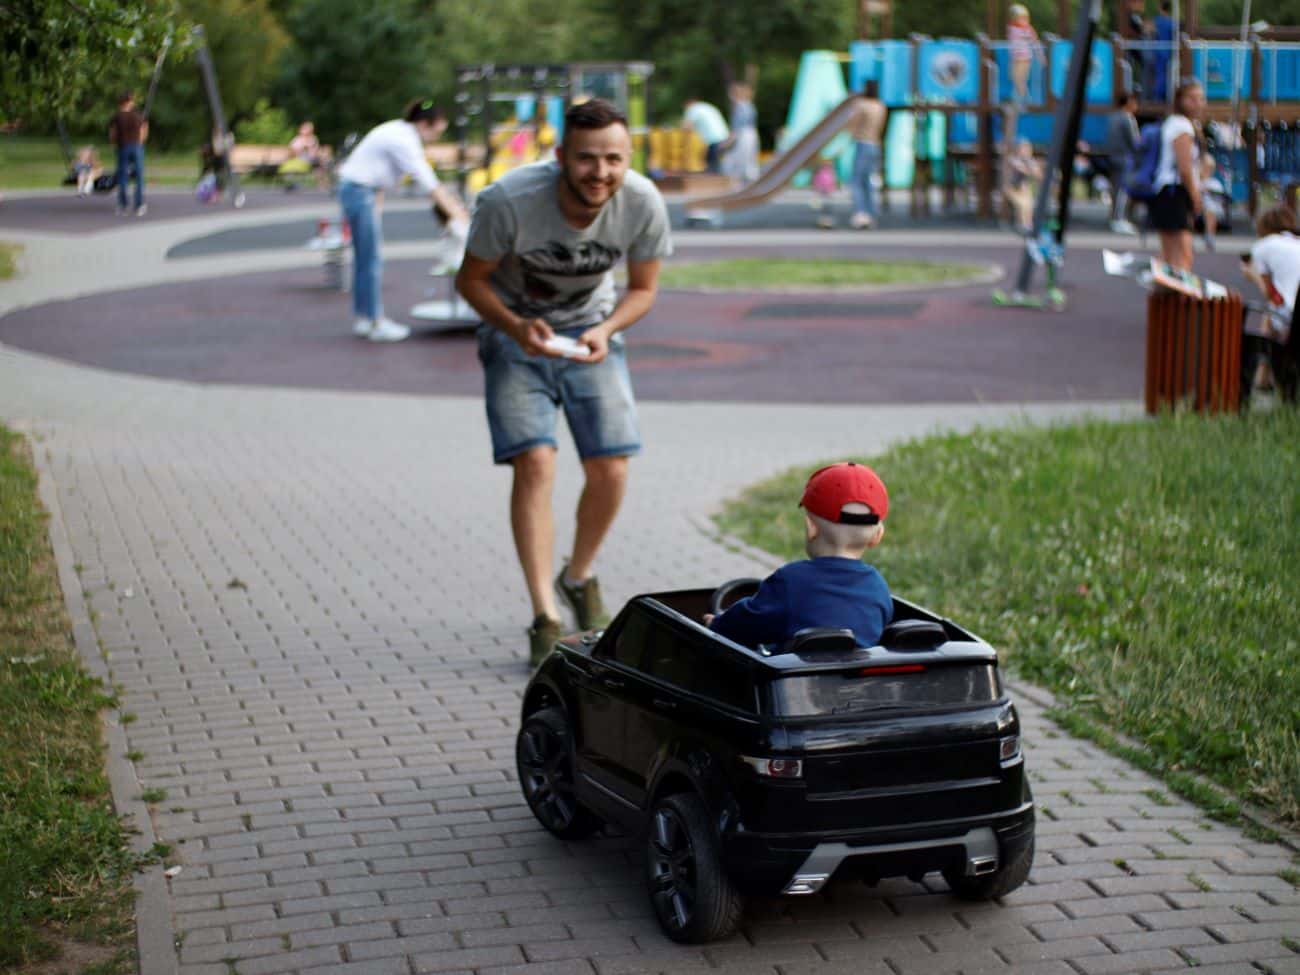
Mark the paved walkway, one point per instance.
(311, 604)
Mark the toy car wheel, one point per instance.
(1001, 882)
(544, 759)
(691, 893)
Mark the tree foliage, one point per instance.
(55, 55)
(354, 65)
(246, 43)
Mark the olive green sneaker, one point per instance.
(585, 601)
(541, 638)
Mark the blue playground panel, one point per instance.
(1101, 80)
(1281, 72)
(1036, 127)
(949, 71)
(1213, 65)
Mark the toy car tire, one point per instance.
(997, 884)
(544, 761)
(692, 896)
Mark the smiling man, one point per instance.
(539, 271)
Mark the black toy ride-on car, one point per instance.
(768, 771)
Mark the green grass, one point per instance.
(9, 259)
(67, 866)
(755, 273)
(1144, 571)
(36, 162)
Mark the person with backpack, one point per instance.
(1177, 202)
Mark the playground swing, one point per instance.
(106, 182)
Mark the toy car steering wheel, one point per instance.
(729, 592)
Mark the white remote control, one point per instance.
(567, 347)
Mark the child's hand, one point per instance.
(708, 619)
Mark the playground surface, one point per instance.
(288, 585)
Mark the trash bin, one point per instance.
(1193, 352)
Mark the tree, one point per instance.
(699, 45)
(353, 65)
(56, 54)
(246, 43)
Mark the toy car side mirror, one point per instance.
(821, 639)
(913, 635)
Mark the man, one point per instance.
(539, 268)
(128, 130)
(707, 122)
(1165, 32)
(1122, 139)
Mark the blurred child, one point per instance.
(1025, 50)
(1022, 180)
(1214, 196)
(87, 169)
(824, 184)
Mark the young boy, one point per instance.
(844, 512)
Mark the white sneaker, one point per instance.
(1123, 227)
(142, 209)
(362, 328)
(860, 221)
(387, 330)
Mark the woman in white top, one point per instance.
(386, 154)
(1178, 202)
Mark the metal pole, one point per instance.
(157, 70)
(1065, 134)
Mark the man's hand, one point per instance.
(532, 335)
(595, 338)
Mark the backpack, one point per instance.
(1141, 182)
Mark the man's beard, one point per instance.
(576, 189)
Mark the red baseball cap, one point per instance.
(831, 488)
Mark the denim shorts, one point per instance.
(526, 393)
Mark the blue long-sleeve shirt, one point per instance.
(828, 591)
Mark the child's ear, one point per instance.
(810, 528)
(880, 534)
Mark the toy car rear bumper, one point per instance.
(802, 864)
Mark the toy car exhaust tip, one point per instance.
(806, 883)
(980, 866)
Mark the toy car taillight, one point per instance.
(775, 768)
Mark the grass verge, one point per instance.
(761, 273)
(1142, 571)
(36, 163)
(9, 259)
(65, 887)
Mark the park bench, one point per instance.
(258, 160)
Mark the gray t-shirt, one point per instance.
(551, 270)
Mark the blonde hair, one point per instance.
(1018, 10)
(833, 537)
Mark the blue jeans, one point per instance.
(130, 162)
(358, 204)
(524, 395)
(866, 162)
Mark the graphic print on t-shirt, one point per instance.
(557, 260)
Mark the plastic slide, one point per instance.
(783, 168)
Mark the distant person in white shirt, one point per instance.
(707, 122)
(386, 154)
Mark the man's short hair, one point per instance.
(595, 113)
(127, 96)
(1276, 220)
(1122, 97)
(871, 88)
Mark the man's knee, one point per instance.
(608, 472)
(534, 467)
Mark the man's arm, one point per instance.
(639, 298)
(474, 282)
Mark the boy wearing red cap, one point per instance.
(844, 512)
